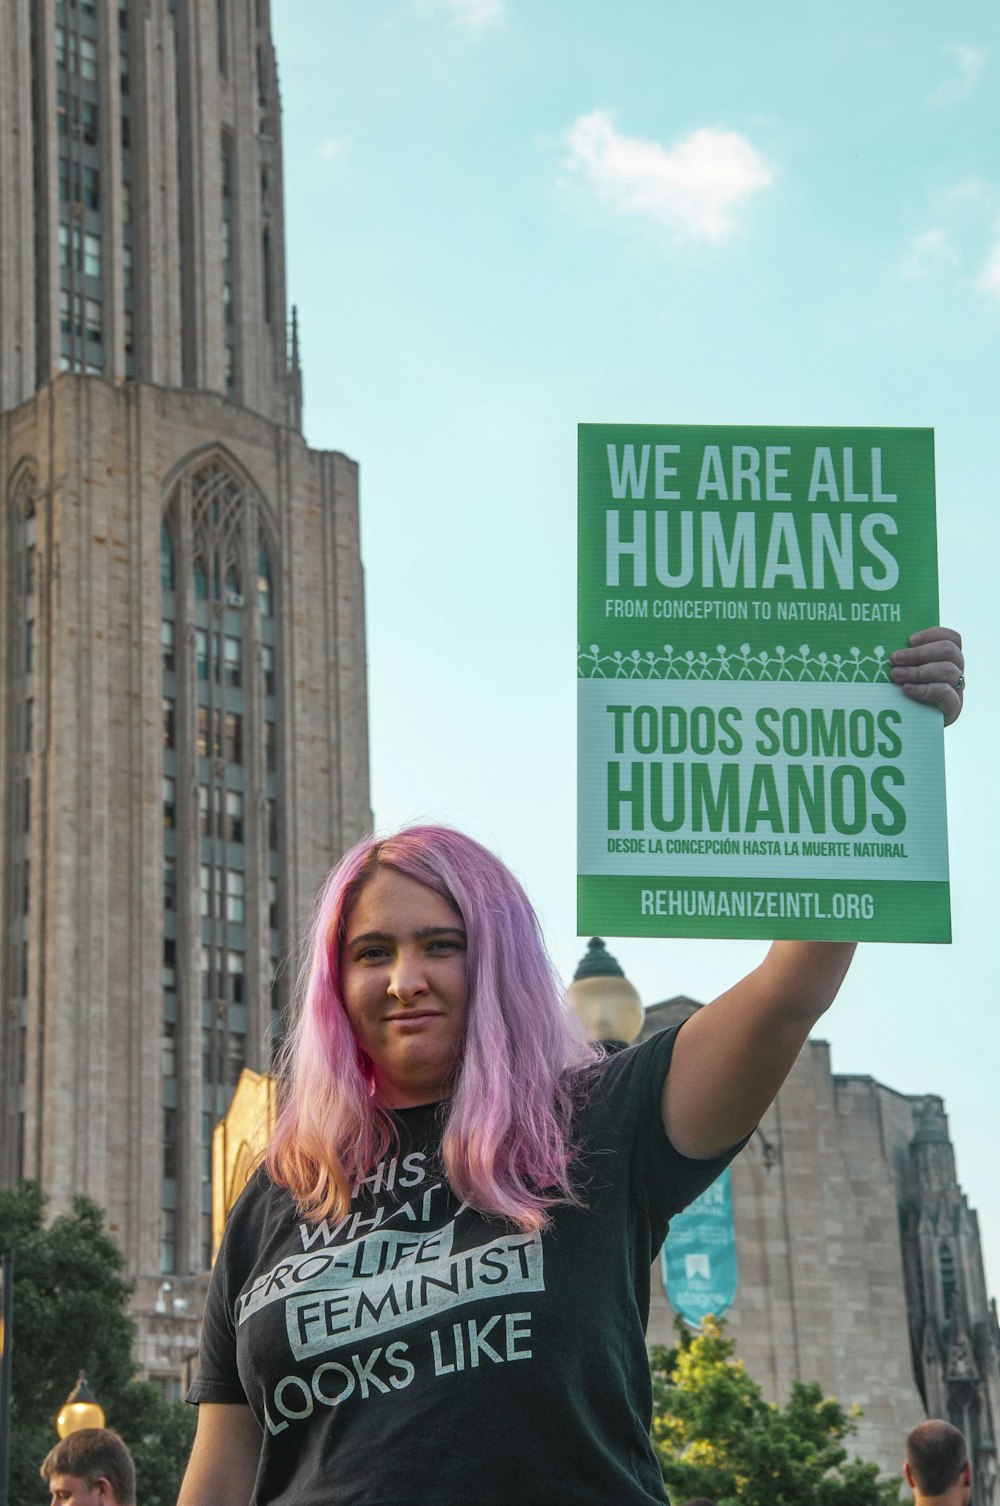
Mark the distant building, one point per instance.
(860, 1263)
(183, 711)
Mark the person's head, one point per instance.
(404, 984)
(91, 1467)
(427, 978)
(937, 1463)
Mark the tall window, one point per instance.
(215, 636)
(81, 227)
(946, 1257)
(22, 597)
(228, 276)
(124, 65)
(221, 35)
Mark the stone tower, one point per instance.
(953, 1322)
(182, 659)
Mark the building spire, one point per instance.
(294, 373)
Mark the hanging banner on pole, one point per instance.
(700, 1273)
(746, 766)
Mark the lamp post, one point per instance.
(81, 1409)
(602, 996)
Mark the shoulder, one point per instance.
(623, 1090)
(260, 1196)
(627, 1095)
(263, 1212)
(635, 1069)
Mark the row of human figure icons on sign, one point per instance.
(739, 664)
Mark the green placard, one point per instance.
(746, 766)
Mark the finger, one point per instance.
(937, 693)
(929, 635)
(945, 672)
(933, 651)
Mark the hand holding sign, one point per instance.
(932, 669)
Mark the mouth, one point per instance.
(414, 1016)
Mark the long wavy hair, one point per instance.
(507, 1140)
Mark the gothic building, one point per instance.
(953, 1323)
(182, 658)
(860, 1263)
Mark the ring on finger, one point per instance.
(960, 684)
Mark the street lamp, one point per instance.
(602, 996)
(81, 1409)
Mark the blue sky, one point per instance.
(506, 217)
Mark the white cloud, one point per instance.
(477, 13)
(694, 188)
(473, 15)
(964, 241)
(333, 147)
(970, 195)
(989, 281)
(970, 63)
(930, 251)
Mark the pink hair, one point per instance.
(506, 1144)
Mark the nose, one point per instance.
(408, 976)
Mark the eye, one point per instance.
(371, 954)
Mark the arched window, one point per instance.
(22, 494)
(217, 634)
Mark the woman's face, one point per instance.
(404, 978)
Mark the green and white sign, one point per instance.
(700, 1273)
(746, 766)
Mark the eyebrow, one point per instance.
(423, 934)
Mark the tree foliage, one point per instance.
(716, 1436)
(71, 1313)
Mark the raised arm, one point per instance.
(223, 1464)
(732, 1056)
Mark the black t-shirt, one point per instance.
(420, 1352)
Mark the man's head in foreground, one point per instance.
(937, 1467)
(91, 1467)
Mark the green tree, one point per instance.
(716, 1436)
(71, 1312)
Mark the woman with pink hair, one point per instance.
(435, 1288)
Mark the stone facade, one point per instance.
(183, 709)
(859, 1259)
(142, 213)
